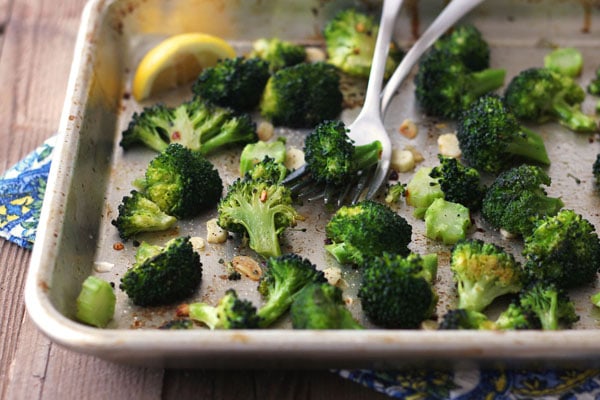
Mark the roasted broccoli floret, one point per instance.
(550, 304)
(321, 306)
(302, 95)
(395, 192)
(422, 190)
(563, 249)
(444, 86)
(596, 169)
(467, 42)
(196, 124)
(163, 275)
(483, 272)
(230, 313)
(516, 317)
(331, 156)
(446, 221)
(237, 82)
(284, 277)
(459, 183)
(96, 302)
(594, 86)
(278, 53)
(461, 318)
(397, 291)
(540, 94)
(140, 214)
(491, 139)
(516, 199)
(366, 229)
(254, 153)
(177, 324)
(350, 38)
(268, 170)
(565, 60)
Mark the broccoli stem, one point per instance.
(224, 137)
(477, 296)
(366, 155)
(278, 303)
(259, 221)
(529, 145)
(572, 117)
(485, 81)
(341, 253)
(204, 313)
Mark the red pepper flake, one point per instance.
(118, 246)
(176, 135)
(263, 196)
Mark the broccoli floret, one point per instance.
(595, 299)
(182, 183)
(594, 86)
(459, 183)
(516, 317)
(491, 138)
(447, 221)
(285, 276)
(395, 192)
(540, 94)
(302, 95)
(253, 153)
(563, 249)
(397, 291)
(467, 42)
(550, 304)
(196, 124)
(422, 190)
(163, 275)
(460, 318)
(350, 38)
(139, 214)
(230, 313)
(366, 229)
(237, 83)
(596, 169)
(267, 170)
(278, 53)
(177, 324)
(331, 156)
(96, 302)
(565, 60)
(444, 86)
(483, 272)
(321, 306)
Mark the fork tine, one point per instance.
(295, 175)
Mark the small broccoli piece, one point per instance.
(253, 153)
(395, 192)
(302, 95)
(422, 190)
(177, 324)
(366, 229)
(540, 95)
(139, 214)
(595, 299)
(565, 60)
(491, 139)
(163, 275)
(460, 184)
(321, 306)
(331, 156)
(350, 38)
(594, 86)
(444, 86)
(285, 276)
(467, 42)
(516, 317)
(267, 170)
(483, 272)
(96, 302)
(447, 221)
(516, 199)
(550, 304)
(596, 169)
(278, 53)
(460, 318)
(563, 249)
(230, 313)
(397, 291)
(236, 82)
(196, 124)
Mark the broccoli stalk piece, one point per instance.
(516, 317)
(550, 304)
(254, 153)
(139, 214)
(459, 183)
(422, 190)
(278, 53)
(467, 42)
(95, 302)
(483, 272)
(284, 278)
(595, 299)
(567, 61)
(447, 221)
(230, 313)
(540, 94)
(460, 318)
(491, 139)
(321, 306)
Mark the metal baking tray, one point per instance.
(90, 174)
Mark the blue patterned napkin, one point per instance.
(22, 190)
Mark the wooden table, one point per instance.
(37, 38)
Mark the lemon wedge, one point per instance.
(176, 61)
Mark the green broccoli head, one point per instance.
(350, 38)
(467, 42)
(139, 214)
(516, 199)
(483, 272)
(397, 291)
(267, 170)
(234, 82)
(321, 306)
(491, 139)
(278, 53)
(550, 304)
(460, 184)
(366, 229)
(461, 318)
(163, 275)
(284, 277)
(516, 317)
(564, 249)
(151, 127)
(182, 183)
(540, 94)
(254, 153)
(302, 95)
(230, 313)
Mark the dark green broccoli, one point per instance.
(483, 272)
(182, 183)
(395, 192)
(302, 95)
(565, 60)
(278, 53)
(163, 275)
(460, 184)
(285, 276)
(397, 291)
(422, 190)
(516, 199)
(550, 304)
(594, 86)
(444, 86)
(237, 83)
(516, 317)
(461, 318)
(196, 124)
(540, 94)
(446, 221)
(350, 38)
(139, 214)
(467, 42)
(177, 324)
(366, 229)
(563, 249)
(596, 169)
(321, 306)
(491, 139)
(331, 156)
(254, 153)
(230, 313)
